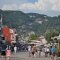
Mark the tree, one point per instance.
(33, 37)
(51, 33)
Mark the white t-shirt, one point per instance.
(29, 48)
(15, 48)
(47, 49)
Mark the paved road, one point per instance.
(24, 56)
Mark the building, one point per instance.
(9, 34)
(42, 39)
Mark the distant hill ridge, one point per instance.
(25, 22)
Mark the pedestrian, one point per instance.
(15, 49)
(29, 50)
(45, 50)
(53, 52)
(48, 51)
(12, 48)
(39, 50)
(8, 52)
(34, 50)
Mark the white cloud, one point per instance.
(44, 5)
(40, 5)
(27, 6)
(10, 7)
(56, 5)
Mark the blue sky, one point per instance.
(3, 2)
(48, 7)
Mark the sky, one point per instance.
(47, 7)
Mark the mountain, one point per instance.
(26, 22)
(43, 22)
(15, 18)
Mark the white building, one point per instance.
(13, 36)
(42, 39)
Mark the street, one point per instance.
(24, 56)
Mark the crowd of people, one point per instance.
(38, 51)
(35, 51)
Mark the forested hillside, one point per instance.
(25, 22)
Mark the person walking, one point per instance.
(45, 50)
(29, 50)
(53, 52)
(39, 50)
(34, 50)
(15, 49)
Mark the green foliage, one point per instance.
(33, 37)
(29, 41)
(15, 18)
(51, 33)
